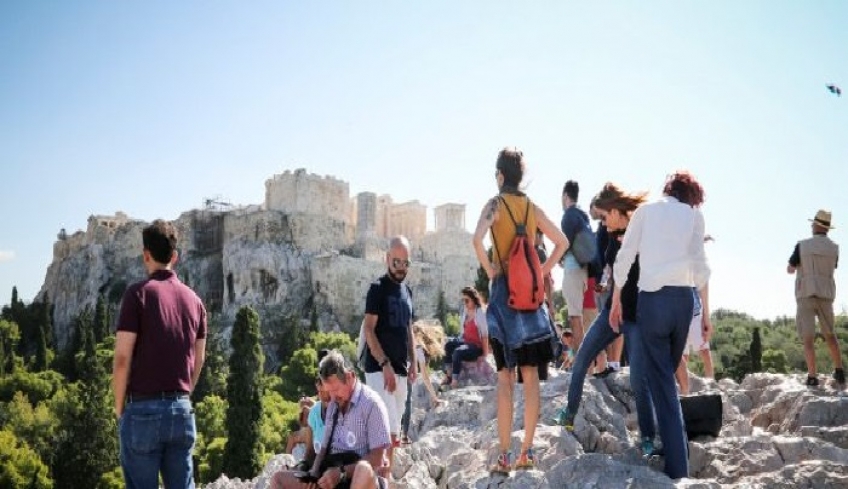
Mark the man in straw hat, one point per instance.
(814, 260)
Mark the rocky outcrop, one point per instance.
(289, 266)
(777, 433)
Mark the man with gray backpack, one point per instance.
(575, 263)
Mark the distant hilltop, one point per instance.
(307, 254)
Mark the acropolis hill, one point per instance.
(309, 249)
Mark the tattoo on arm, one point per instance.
(492, 208)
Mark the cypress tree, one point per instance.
(442, 308)
(88, 447)
(243, 451)
(42, 325)
(756, 351)
(482, 282)
(101, 320)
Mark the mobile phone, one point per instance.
(305, 476)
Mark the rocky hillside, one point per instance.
(292, 268)
(777, 433)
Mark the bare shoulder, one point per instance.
(490, 209)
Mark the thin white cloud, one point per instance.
(6, 255)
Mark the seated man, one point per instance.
(361, 432)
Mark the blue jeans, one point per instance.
(157, 436)
(664, 317)
(599, 336)
(458, 352)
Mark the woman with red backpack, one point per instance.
(519, 335)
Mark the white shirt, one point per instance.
(668, 236)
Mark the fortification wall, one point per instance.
(310, 233)
(436, 247)
(302, 192)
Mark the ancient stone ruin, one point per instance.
(310, 250)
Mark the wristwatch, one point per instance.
(384, 362)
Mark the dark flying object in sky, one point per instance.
(834, 89)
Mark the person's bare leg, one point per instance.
(364, 476)
(682, 375)
(390, 453)
(505, 386)
(810, 355)
(614, 349)
(532, 402)
(284, 479)
(707, 358)
(833, 346)
(576, 323)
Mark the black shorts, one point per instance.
(535, 355)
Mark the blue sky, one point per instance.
(151, 108)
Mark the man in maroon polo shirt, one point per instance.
(159, 351)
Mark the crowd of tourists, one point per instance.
(636, 294)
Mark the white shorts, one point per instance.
(573, 287)
(695, 341)
(395, 401)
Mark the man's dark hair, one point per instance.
(333, 364)
(571, 189)
(160, 239)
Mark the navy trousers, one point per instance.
(663, 319)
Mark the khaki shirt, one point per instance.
(814, 274)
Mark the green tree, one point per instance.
(9, 337)
(20, 466)
(292, 336)
(774, 361)
(87, 448)
(277, 416)
(37, 386)
(451, 325)
(213, 376)
(334, 341)
(756, 351)
(313, 318)
(34, 426)
(101, 320)
(42, 327)
(481, 283)
(211, 417)
(442, 308)
(242, 453)
(68, 359)
(298, 374)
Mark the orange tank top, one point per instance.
(503, 230)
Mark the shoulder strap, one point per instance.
(514, 223)
(335, 420)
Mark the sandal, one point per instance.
(526, 461)
(502, 465)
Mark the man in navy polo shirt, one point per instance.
(390, 350)
(159, 350)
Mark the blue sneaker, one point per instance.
(564, 418)
(647, 446)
